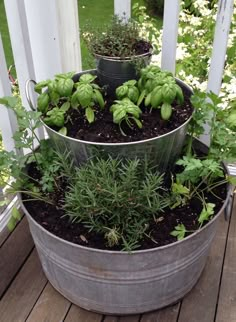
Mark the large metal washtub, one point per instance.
(162, 150)
(116, 282)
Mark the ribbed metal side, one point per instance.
(162, 150)
(123, 283)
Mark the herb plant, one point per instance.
(57, 96)
(119, 39)
(199, 175)
(159, 89)
(13, 165)
(125, 110)
(116, 198)
(129, 90)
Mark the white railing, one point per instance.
(45, 41)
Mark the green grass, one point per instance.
(92, 12)
(5, 35)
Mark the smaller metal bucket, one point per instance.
(162, 150)
(113, 72)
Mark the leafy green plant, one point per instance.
(207, 110)
(159, 89)
(200, 175)
(206, 213)
(57, 96)
(120, 38)
(179, 232)
(16, 162)
(86, 95)
(116, 198)
(129, 90)
(125, 110)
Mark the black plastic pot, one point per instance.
(113, 72)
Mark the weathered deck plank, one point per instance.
(13, 253)
(169, 314)
(24, 291)
(201, 302)
(3, 235)
(226, 310)
(77, 314)
(131, 318)
(111, 318)
(51, 306)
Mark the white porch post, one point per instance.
(8, 122)
(223, 22)
(18, 29)
(121, 7)
(170, 35)
(54, 36)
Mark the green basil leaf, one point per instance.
(65, 106)
(63, 131)
(121, 91)
(42, 102)
(74, 100)
(89, 114)
(85, 94)
(168, 93)
(39, 86)
(99, 98)
(118, 115)
(65, 87)
(56, 117)
(133, 94)
(87, 78)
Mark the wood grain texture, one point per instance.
(131, 318)
(24, 291)
(13, 253)
(227, 298)
(200, 303)
(50, 307)
(3, 235)
(169, 314)
(77, 314)
(111, 318)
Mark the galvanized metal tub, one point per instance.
(162, 150)
(115, 282)
(113, 71)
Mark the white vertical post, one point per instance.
(224, 16)
(54, 36)
(8, 123)
(170, 35)
(69, 35)
(223, 21)
(18, 29)
(121, 7)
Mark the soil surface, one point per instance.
(104, 130)
(52, 219)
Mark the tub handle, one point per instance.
(27, 93)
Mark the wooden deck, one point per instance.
(26, 295)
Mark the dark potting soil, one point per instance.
(142, 47)
(53, 219)
(104, 130)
